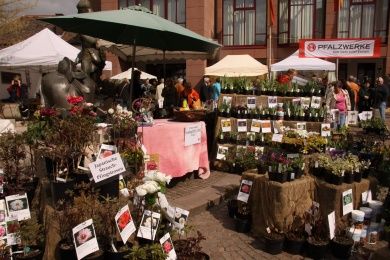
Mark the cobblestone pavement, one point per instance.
(223, 242)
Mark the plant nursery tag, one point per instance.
(84, 239)
(325, 130)
(149, 224)
(17, 207)
(277, 138)
(162, 200)
(316, 164)
(305, 102)
(227, 100)
(352, 117)
(365, 115)
(255, 126)
(167, 246)
(335, 115)
(124, 223)
(292, 155)
(241, 125)
(106, 151)
(308, 229)
(332, 224)
(3, 211)
(292, 175)
(12, 231)
(59, 179)
(266, 126)
(192, 135)
(251, 102)
(301, 126)
(106, 168)
(226, 125)
(272, 102)
(124, 191)
(222, 152)
(181, 216)
(315, 102)
(268, 230)
(347, 202)
(244, 191)
(366, 197)
(296, 101)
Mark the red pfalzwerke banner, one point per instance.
(340, 48)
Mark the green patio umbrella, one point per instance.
(135, 26)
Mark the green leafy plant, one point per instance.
(146, 252)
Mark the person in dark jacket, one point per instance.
(364, 103)
(205, 91)
(170, 95)
(381, 96)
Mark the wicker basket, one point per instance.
(189, 115)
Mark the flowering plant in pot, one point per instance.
(318, 239)
(133, 156)
(146, 252)
(32, 237)
(274, 240)
(123, 123)
(189, 247)
(295, 235)
(243, 217)
(342, 243)
(277, 166)
(336, 170)
(314, 143)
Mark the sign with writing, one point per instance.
(340, 48)
(241, 125)
(226, 125)
(352, 117)
(107, 168)
(347, 201)
(192, 135)
(245, 190)
(277, 138)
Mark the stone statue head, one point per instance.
(84, 6)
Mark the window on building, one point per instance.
(363, 19)
(173, 10)
(300, 19)
(244, 22)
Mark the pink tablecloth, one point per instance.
(166, 139)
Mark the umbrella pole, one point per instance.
(132, 73)
(164, 66)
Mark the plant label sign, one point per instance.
(266, 126)
(226, 125)
(245, 190)
(84, 239)
(192, 135)
(106, 168)
(325, 130)
(251, 102)
(124, 223)
(365, 115)
(227, 100)
(352, 117)
(106, 151)
(315, 102)
(255, 126)
(167, 246)
(241, 125)
(149, 224)
(277, 138)
(366, 197)
(305, 102)
(13, 231)
(180, 218)
(17, 206)
(332, 224)
(222, 152)
(301, 126)
(272, 102)
(335, 115)
(347, 202)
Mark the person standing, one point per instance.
(381, 96)
(364, 97)
(205, 90)
(170, 95)
(191, 96)
(14, 90)
(179, 86)
(339, 100)
(216, 89)
(159, 90)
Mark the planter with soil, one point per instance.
(358, 176)
(66, 251)
(274, 243)
(122, 251)
(348, 177)
(232, 208)
(278, 177)
(341, 247)
(316, 249)
(294, 244)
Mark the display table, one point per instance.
(273, 203)
(329, 195)
(166, 138)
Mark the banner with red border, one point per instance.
(340, 48)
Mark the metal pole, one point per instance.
(337, 69)
(164, 66)
(269, 51)
(132, 72)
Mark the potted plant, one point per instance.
(318, 240)
(335, 171)
(32, 237)
(274, 240)
(341, 244)
(232, 205)
(243, 217)
(145, 252)
(190, 248)
(277, 166)
(295, 236)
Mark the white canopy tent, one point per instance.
(127, 75)
(294, 62)
(237, 66)
(36, 55)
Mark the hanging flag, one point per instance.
(271, 13)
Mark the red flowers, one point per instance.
(47, 112)
(167, 247)
(74, 100)
(123, 220)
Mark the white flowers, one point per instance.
(16, 205)
(149, 187)
(111, 111)
(157, 176)
(120, 112)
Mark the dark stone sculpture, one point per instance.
(68, 80)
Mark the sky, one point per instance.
(54, 6)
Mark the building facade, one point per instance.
(251, 26)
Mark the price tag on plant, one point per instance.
(17, 206)
(181, 216)
(167, 246)
(222, 152)
(245, 189)
(255, 126)
(347, 202)
(226, 125)
(241, 125)
(149, 224)
(332, 224)
(366, 197)
(325, 130)
(125, 224)
(84, 239)
(251, 102)
(277, 138)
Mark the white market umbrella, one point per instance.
(127, 75)
(294, 62)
